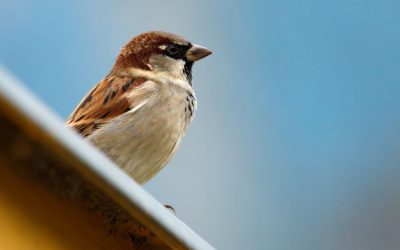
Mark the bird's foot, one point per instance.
(170, 208)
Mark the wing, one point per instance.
(107, 100)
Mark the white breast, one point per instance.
(143, 140)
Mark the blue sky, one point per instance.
(296, 141)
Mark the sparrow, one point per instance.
(138, 114)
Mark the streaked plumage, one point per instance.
(139, 113)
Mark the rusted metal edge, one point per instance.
(32, 115)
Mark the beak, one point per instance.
(196, 52)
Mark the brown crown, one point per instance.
(137, 52)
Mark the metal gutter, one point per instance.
(35, 118)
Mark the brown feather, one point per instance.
(136, 53)
(107, 100)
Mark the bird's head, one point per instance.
(160, 52)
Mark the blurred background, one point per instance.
(296, 142)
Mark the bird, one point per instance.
(138, 114)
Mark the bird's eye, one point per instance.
(172, 49)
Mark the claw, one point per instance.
(170, 208)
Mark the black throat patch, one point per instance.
(187, 71)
